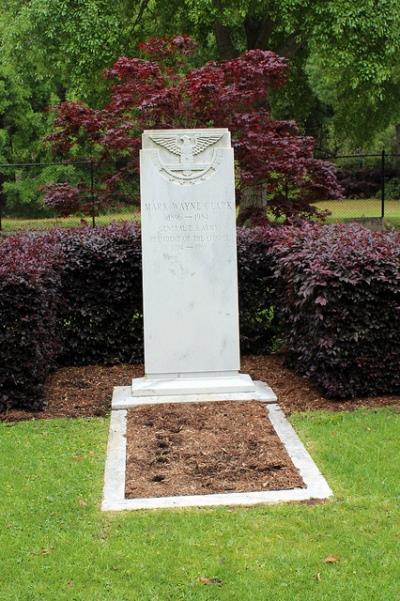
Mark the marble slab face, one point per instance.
(188, 215)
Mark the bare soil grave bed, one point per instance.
(205, 448)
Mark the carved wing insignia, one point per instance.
(203, 142)
(168, 143)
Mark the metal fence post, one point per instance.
(92, 192)
(383, 184)
(2, 200)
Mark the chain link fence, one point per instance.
(371, 189)
(26, 203)
(370, 182)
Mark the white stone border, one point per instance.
(114, 479)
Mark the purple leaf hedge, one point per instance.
(337, 291)
(330, 293)
(29, 330)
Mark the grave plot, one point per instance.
(190, 432)
(249, 454)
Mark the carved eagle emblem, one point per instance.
(185, 146)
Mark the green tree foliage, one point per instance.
(344, 56)
(67, 43)
(354, 66)
(21, 130)
(34, 38)
(19, 124)
(343, 86)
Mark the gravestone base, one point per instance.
(125, 397)
(192, 383)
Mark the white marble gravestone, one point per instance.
(190, 290)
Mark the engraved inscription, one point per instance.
(189, 224)
(188, 205)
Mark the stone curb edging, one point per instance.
(114, 478)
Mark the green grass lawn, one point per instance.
(340, 209)
(56, 545)
(369, 207)
(10, 224)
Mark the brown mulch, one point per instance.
(79, 391)
(297, 394)
(86, 391)
(201, 448)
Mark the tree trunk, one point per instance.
(258, 32)
(226, 49)
(397, 140)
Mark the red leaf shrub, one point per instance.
(101, 287)
(338, 298)
(366, 181)
(29, 334)
(62, 198)
(66, 297)
(333, 293)
(259, 326)
(73, 297)
(164, 91)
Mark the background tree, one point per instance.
(166, 92)
(354, 67)
(343, 86)
(21, 132)
(344, 54)
(66, 44)
(26, 92)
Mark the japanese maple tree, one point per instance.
(162, 90)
